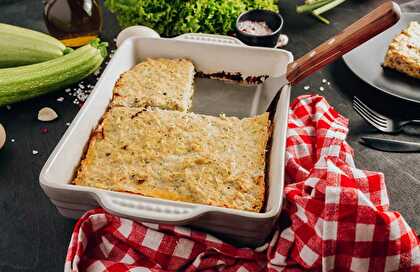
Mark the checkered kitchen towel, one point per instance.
(338, 218)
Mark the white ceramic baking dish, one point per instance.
(210, 54)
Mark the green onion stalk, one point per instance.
(318, 7)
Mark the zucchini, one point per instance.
(22, 83)
(21, 46)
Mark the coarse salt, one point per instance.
(255, 28)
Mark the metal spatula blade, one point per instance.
(265, 94)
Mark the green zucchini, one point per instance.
(21, 46)
(22, 83)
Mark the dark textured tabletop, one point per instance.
(34, 236)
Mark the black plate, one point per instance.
(366, 62)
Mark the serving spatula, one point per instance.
(357, 33)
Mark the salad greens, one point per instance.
(174, 17)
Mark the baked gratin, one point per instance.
(404, 51)
(163, 83)
(179, 156)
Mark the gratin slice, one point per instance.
(179, 156)
(404, 51)
(163, 83)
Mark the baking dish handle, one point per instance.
(146, 32)
(153, 210)
(136, 31)
(210, 38)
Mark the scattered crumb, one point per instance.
(306, 87)
(324, 80)
(60, 99)
(34, 152)
(8, 107)
(111, 54)
(67, 124)
(321, 89)
(67, 90)
(329, 83)
(82, 96)
(12, 140)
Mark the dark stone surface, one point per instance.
(34, 237)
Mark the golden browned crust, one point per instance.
(163, 83)
(179, 156)
(404, 51)
(264, 122)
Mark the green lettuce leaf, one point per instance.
(174, 17)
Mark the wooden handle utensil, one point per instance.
(359, 32)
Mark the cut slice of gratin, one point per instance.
(163, 83)
(179, 156)
(404, 51)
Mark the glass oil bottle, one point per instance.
(73, 22)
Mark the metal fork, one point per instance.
(380, 121)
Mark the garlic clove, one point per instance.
(47, 114)
(2, 136)
(282, 41)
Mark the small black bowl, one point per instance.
(273, 20)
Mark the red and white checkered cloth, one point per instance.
(339, 218)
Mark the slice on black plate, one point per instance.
(366, 61)
(403, 52)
